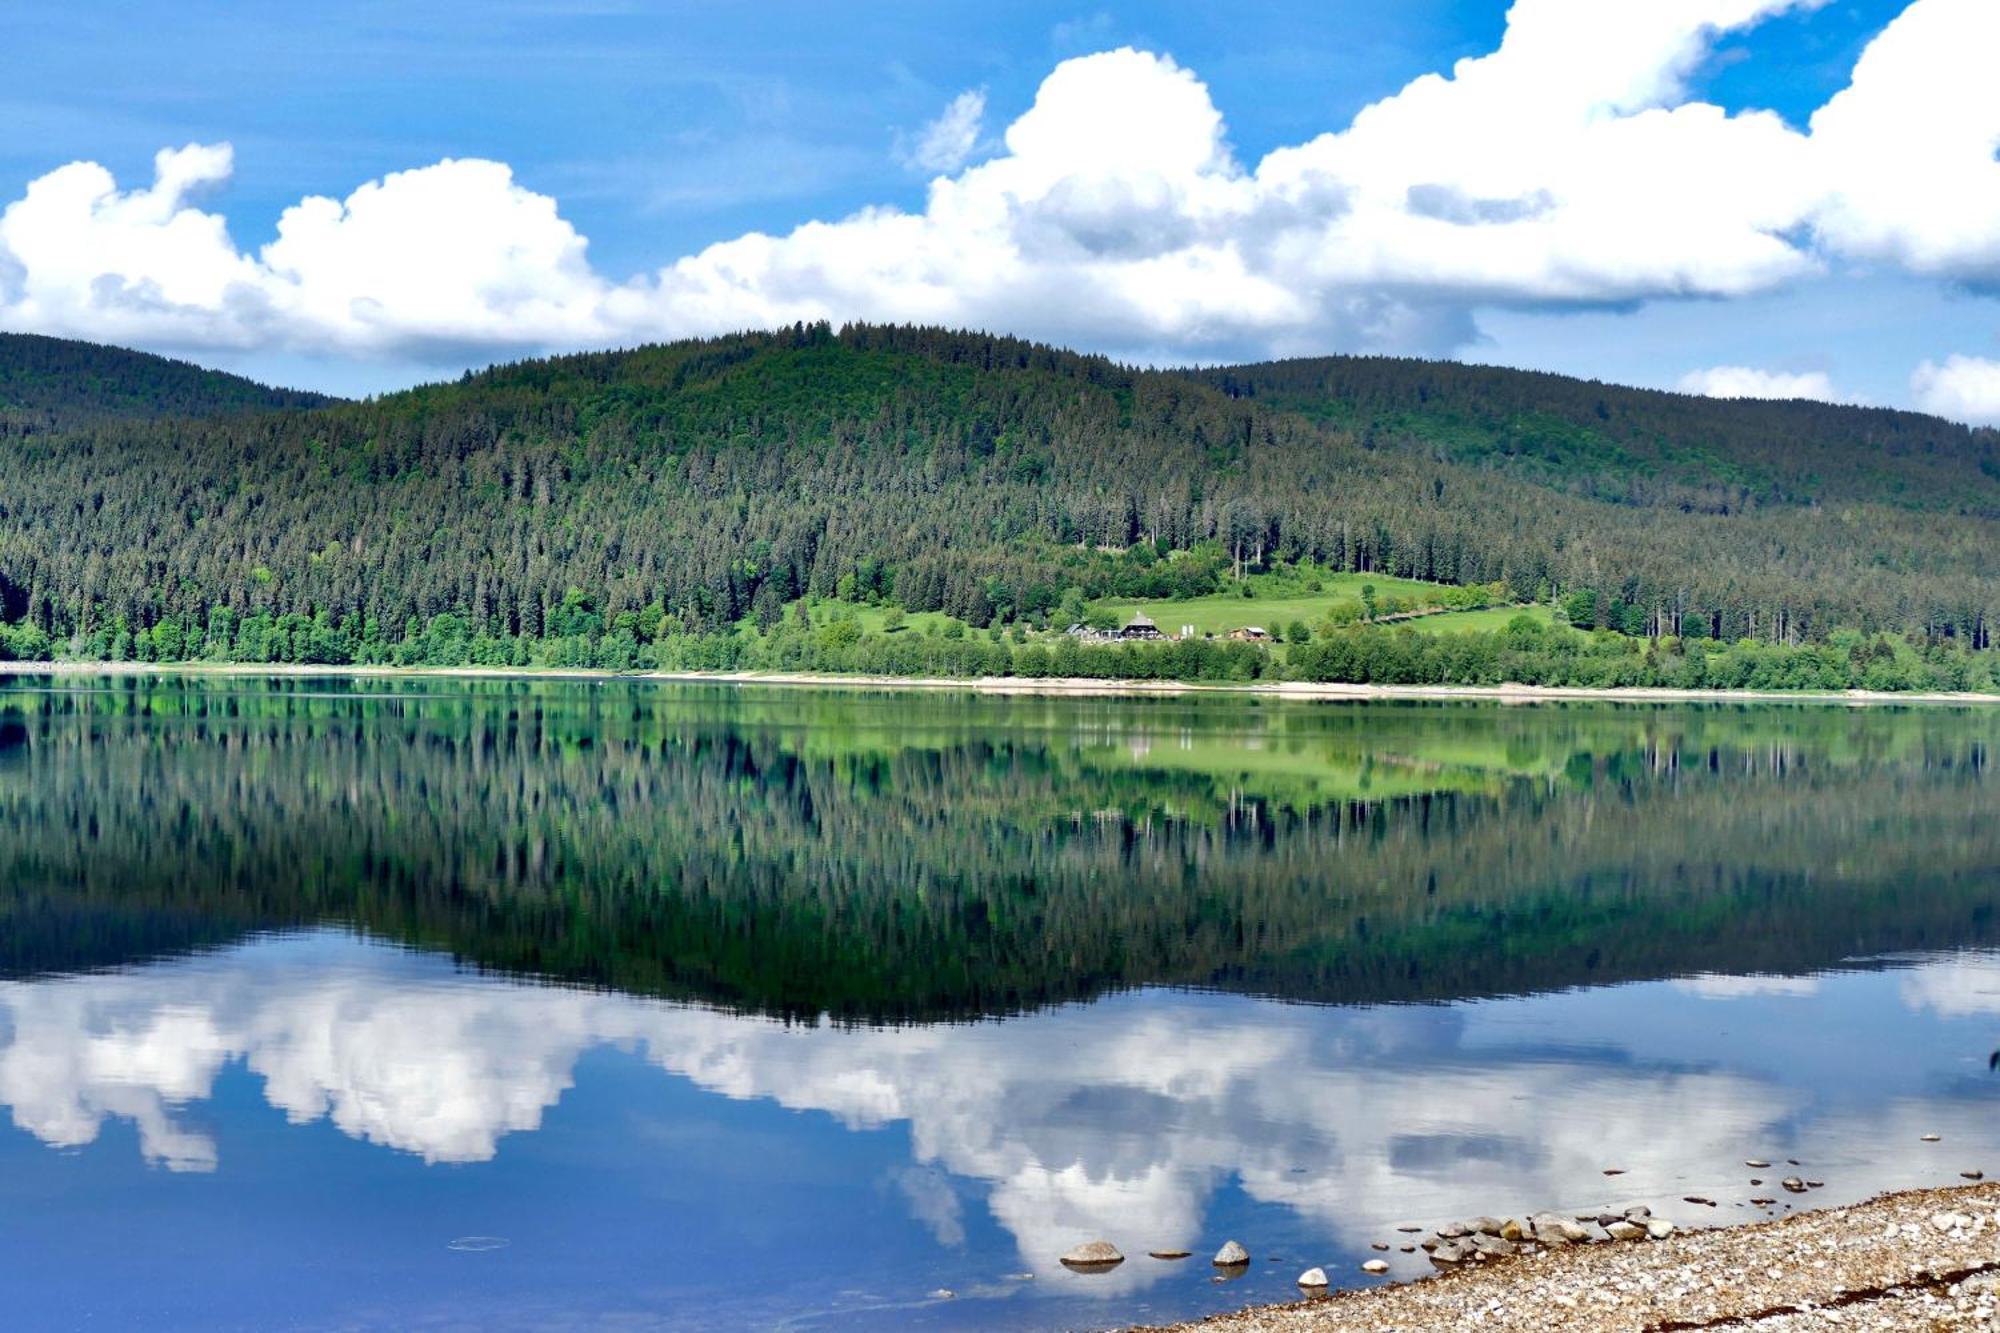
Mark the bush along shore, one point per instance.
(1921, 1259)
(1526, 651)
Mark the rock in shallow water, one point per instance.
(1313, 1277)
(1231, 1255)
(1375, 1266)
(1169, 1254)
(1094, 1254)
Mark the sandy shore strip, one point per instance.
(1921, 1259)
(1018, 685)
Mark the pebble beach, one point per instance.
(1919, 1259)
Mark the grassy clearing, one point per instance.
(873, 619)
(1488, 621)
(1277, 601)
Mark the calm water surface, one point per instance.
(327, 1003)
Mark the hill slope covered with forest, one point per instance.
(690, 490)
(52, 381)
(1636, 446)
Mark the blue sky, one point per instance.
(635, 135)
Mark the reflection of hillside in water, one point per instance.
(1124, 1117)
(904, 856)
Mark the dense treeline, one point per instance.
(46, 382)
(695, 485)
(1527, 652)
(896, 858)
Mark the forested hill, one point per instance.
(678, 489)
(1635, 445)
(51, 381)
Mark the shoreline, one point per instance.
(1065, 686)
(1921, 1258)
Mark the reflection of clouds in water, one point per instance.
(1716, 986)
(934, 1203)
(1121, 1118)
(1953, 989)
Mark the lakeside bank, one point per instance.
(1917, 1259)
(1017, 685)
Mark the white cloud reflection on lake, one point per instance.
(1122, 1118)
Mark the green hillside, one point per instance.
(950, 502)
(51, 381)
(1636, 446)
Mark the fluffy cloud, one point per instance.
(1567, 167)
(1965, 388)
(451, 253)
(1748, 382)
(1908, 146)
(946, 143)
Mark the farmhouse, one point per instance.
(1251, 634)
(1141, 628)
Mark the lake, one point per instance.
(331, 1002)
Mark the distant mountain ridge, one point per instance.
(51, 381)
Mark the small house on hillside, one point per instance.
(1251, 634)
(1141, 628)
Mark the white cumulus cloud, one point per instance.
(1749, 382)
(1964, 388)
(1569, 167)
(1909, 145)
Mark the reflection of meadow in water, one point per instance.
(1123, 1118)
(917, 857)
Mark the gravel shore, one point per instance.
(1923, 1259)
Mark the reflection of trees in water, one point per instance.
(916, 857)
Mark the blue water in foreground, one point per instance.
(353, 1103)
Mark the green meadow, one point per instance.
(1275, 602)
